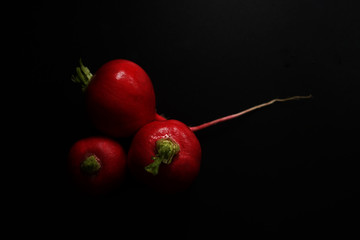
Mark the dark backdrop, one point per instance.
(289, 169)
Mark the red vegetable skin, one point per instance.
(165, 155)
(97, 164)
(120, 97)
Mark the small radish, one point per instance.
(97, 164)
(120, 97)
(166, 154)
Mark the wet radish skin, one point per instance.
(185, 166)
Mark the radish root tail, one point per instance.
(208, 124)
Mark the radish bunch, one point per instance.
(120, 101)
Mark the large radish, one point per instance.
(119, 97)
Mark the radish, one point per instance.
(97, 164)
(166, 154)
(120, 97)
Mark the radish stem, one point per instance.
(208, 124)
(91, 165)
(83, 76)
(166, 150)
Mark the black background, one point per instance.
(289, 169)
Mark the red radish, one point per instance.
(120, 97)
(166, 154)
(97, 164)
